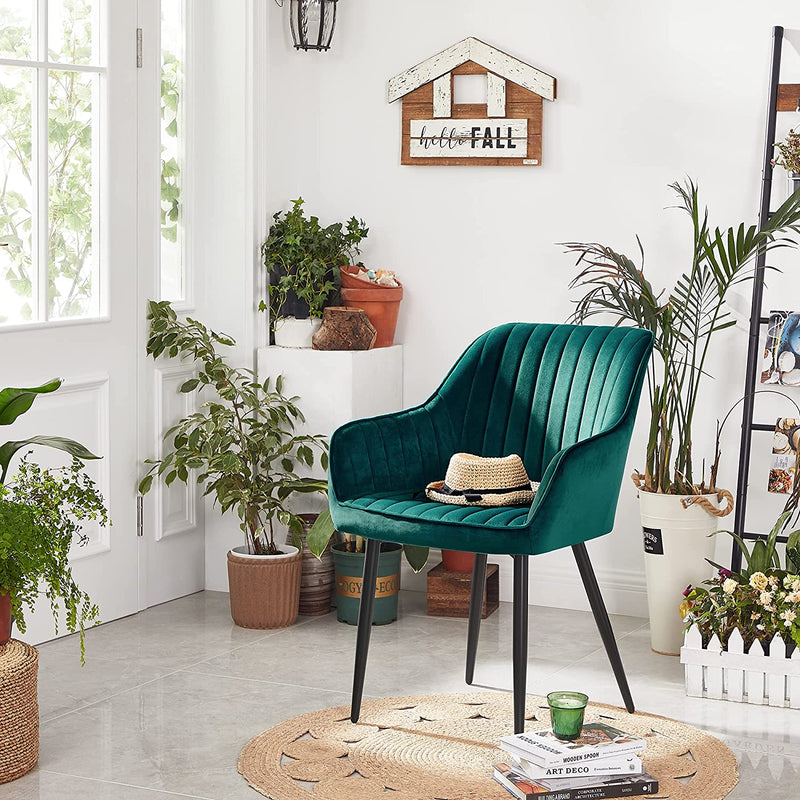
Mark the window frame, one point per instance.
(42, 67)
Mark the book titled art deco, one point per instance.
(597, 788)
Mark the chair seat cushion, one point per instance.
(410, 518)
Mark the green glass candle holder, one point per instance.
(566, 713)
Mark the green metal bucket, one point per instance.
(349, 572)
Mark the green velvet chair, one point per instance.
(564, 398)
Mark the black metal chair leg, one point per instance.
(365, 610)
(603, 622)
(475, 612)
(520, 640)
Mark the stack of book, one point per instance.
(602, 762)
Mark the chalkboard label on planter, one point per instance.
(653, 543)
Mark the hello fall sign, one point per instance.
(506, 131)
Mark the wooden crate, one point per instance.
(448, 592)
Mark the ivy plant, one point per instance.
(241, 445)
(41, 511)
(40, 515)
(302, 258)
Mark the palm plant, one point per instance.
(683, 321)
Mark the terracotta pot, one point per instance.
(265, 590)
(382, 304)
(456, 561)
(5, 617)
(317, 581)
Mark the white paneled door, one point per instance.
(94, 115)
(69, 278)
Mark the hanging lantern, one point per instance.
(312, 23)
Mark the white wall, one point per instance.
(224, 199)
(647, 93)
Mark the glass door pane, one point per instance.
(50, 146)
(16, 28)
(173, 150)
(17, 270)
(73, 272)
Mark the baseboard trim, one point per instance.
(624, 591)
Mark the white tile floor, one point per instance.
(169, 697)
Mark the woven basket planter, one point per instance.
(265, 590)
(19, 710)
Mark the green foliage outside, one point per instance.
(171, 85)
(70, 237)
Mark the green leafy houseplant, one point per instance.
(41, 511)
(241, 445)
(302, 259)
(40, 515)
(323, 530)
(684, 321)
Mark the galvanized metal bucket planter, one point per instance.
(349, 571)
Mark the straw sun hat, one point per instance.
(476, 481)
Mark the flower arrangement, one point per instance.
(789, 153)
(761, 601)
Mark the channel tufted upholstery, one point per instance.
(563, 397)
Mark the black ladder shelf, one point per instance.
(782, 97)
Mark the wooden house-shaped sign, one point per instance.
(506, 131)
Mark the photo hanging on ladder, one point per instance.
(783, 469)
(782, 349)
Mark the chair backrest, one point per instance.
(534, 389)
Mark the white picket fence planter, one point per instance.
(742, 677)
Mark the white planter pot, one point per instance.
(677, 543)
(741, 677)
(794, 182)
(288, 552)
(291, 332)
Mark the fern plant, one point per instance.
(684, 321)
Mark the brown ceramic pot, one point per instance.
(265, 590)
(456, 561)
(382, 304)
(5, 617)
(317, 581)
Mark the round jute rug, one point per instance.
(443, 747)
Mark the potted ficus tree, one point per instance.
(302, 259)
(41, 511)
(241, 446)
(679, 508)
(348, 559)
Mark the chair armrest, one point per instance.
(391, 453)
(577, 498)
